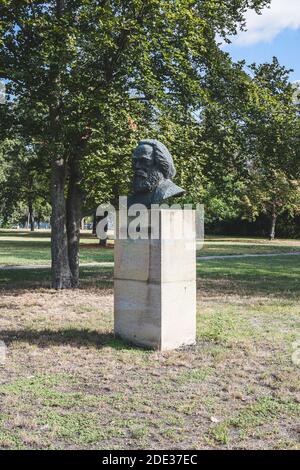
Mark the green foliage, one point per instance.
(93, 77)
(24, 182)
(276, 193)
(87, 80)
(272, 136)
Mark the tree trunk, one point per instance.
(94, 224)
(30, 216)
(61, 274)
(74, 221)
(273, 223)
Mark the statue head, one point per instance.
(152, 163)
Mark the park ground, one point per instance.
(68, 384)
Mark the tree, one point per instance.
(273, 138)
(73, 61)
(272, 195)
(24, 183)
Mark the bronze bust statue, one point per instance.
(153, 172)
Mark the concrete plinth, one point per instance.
(155, 285)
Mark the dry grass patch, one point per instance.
(67, 383)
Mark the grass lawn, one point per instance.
(68, 384)
(19, 248)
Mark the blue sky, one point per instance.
(276, 32)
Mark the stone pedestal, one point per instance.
(155, 284)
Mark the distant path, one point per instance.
(253, 255)
(108, 264)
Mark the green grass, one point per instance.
(19, 248)
(277, 276)
(68, 383)
(252, 418)
(36, 278)
(239, 246)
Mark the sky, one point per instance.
(275, 32)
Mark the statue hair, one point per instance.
(162, 157)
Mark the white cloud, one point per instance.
(282, 14)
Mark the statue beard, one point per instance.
(143, 184)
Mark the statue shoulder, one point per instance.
(166, 190)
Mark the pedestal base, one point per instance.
(155, 286)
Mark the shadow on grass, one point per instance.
(14, 279)
(278, 277)
(69, 336)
